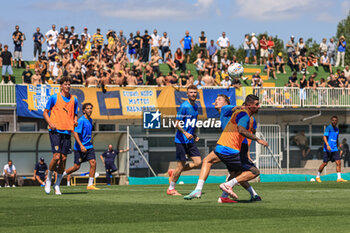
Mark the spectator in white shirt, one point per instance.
(86, 35)
(165, 44)
(226, 82)
(10, 174)
(323, 46)
(347, 72)
(254, 46)
(246, 47)
(223, 42)
(324, 61)
(155, 41)
(53, 32)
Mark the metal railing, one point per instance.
(274, 97)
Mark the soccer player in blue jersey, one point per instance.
(83, 148)
(61, 116)
(330, 149)
(185, 139)
(222, 104)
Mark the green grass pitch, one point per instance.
(286, 207)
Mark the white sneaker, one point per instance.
(219, 200)
(7, 186)
(48, 187)
(57, 190)
(13, 186)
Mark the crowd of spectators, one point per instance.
(97, 59)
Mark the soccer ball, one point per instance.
(312, 180)
(235, 70)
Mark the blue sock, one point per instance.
(224, 194)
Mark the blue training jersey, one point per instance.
(52, 101)
(332, 134)
(187, 42)
(188, 115)
(225, 115)
(84, 129)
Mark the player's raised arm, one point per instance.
(244, 132)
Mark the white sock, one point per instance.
(318, 174)
(252, 191)
(172, 185)
(64, 173)
(200, 184)
(68, 183)
(49, 176)
(339, 175)
(59, 178)
(232, 182)
(91, 181)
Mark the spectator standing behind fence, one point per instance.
(155, 41)
(331, 51)
(263, 50)
(293, 80)
(301, 141)
(18, 38)
(345, 153)
(53, 33)
(323, 46)
(341, 46)
(165, 45)
(187, 45)
(146, 46)
(212, 53)
(6, 64)
(38, 39)
(270, 45)
(202, 40)
(246, 47)
(223, 42)
(10, 174)
(40, 172)
(254, 46)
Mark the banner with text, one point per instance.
(125, 103)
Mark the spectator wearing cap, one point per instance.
(40, 172)
(86, 35)
(254, 46)
(291, 46)
(97, 39)
(280, 63)
(341, 46)
(10, 174)
(223, 42)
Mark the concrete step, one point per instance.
(263, 77)
(252, 70)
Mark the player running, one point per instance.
(63, 110)
(185, 138)
(229, 145)
(83, 148)
(222, 104)
(330, 149)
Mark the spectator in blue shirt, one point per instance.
(40, 172)
(211, 52)
(187, 45)
(341, 51)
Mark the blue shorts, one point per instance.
(187, 51)
(182, 149)
(132, 51)
(6, 69)
(330, 156)
(247, 52)
(81, 157)
(232, 162)
(270, 51)
(60, 143)
(41, 176)
(110, 167)
(253, 52)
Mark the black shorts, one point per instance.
(182, 149)
(81, 157)
(330, 156)
(60, 143)
(110, 167)
(41, 176)
(232, 162)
